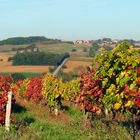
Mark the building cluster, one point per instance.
(102, 42)
(28, 49)
(110, 43)
(82, 41)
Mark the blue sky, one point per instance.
(70, 19)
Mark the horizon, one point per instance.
(69, 40)
(70, 20)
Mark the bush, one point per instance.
(64, 66)
(18, 76)
(73, 50)
(10, 59)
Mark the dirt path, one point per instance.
(60, 66)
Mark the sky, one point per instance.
(70, 19)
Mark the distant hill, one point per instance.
(27, 40)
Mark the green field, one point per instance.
(21, 75)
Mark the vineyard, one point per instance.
(108, 91)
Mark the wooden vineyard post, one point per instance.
(106, 111)
(56, 112)
(8, 111)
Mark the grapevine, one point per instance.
(48, 89)
(113, 81)
(5, 87)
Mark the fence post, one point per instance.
(8, 111)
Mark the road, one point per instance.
(60, 66)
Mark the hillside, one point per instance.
(27, 40)
(78, 55)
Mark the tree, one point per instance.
(93, 49)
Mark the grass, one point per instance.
(60, 47)
(29, 125)
(32, 122)
(53, 48)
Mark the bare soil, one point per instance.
(71, 65)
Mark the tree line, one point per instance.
(38, 58)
